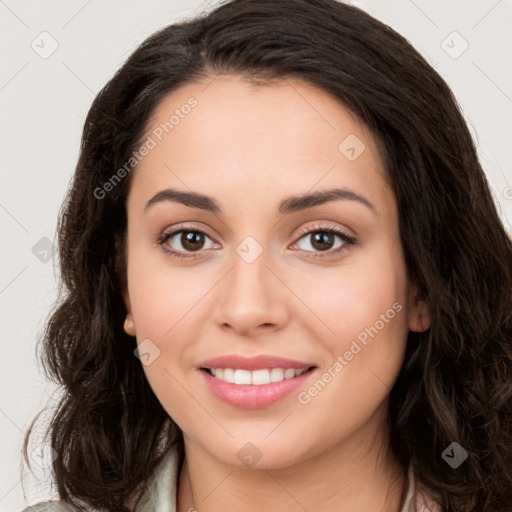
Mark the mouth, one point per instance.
(255, 382)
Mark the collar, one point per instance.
(160, 494)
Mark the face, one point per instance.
(304, 306)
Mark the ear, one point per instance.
(420, 317)
(129, 323)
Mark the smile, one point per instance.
(253, 382)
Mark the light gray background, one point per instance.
(44, 101)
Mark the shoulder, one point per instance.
(48, 506)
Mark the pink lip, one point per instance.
(249, 396)
(253, 363)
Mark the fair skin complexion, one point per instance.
(249, 148)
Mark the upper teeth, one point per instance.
(257, 377)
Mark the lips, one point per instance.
(253, 382)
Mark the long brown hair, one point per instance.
(109, 430)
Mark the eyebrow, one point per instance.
(289, 205)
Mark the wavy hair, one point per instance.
(109, 430)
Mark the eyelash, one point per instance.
(349, 240)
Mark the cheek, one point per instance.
(352, 299)
(160, 292)
(165, 302)
(365, 307)
(363, 357)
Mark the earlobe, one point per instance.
(129, 325)
(419, 312)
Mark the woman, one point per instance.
(286, 283)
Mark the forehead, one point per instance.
(268, 139)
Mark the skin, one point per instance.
(249, 147)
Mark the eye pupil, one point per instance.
(190, 238)
(320, 238)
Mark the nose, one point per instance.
(252, 297)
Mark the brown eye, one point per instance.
(192, 240)
(325, 241)
(183, 241)
(322, 241)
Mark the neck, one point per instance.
(355, 475)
